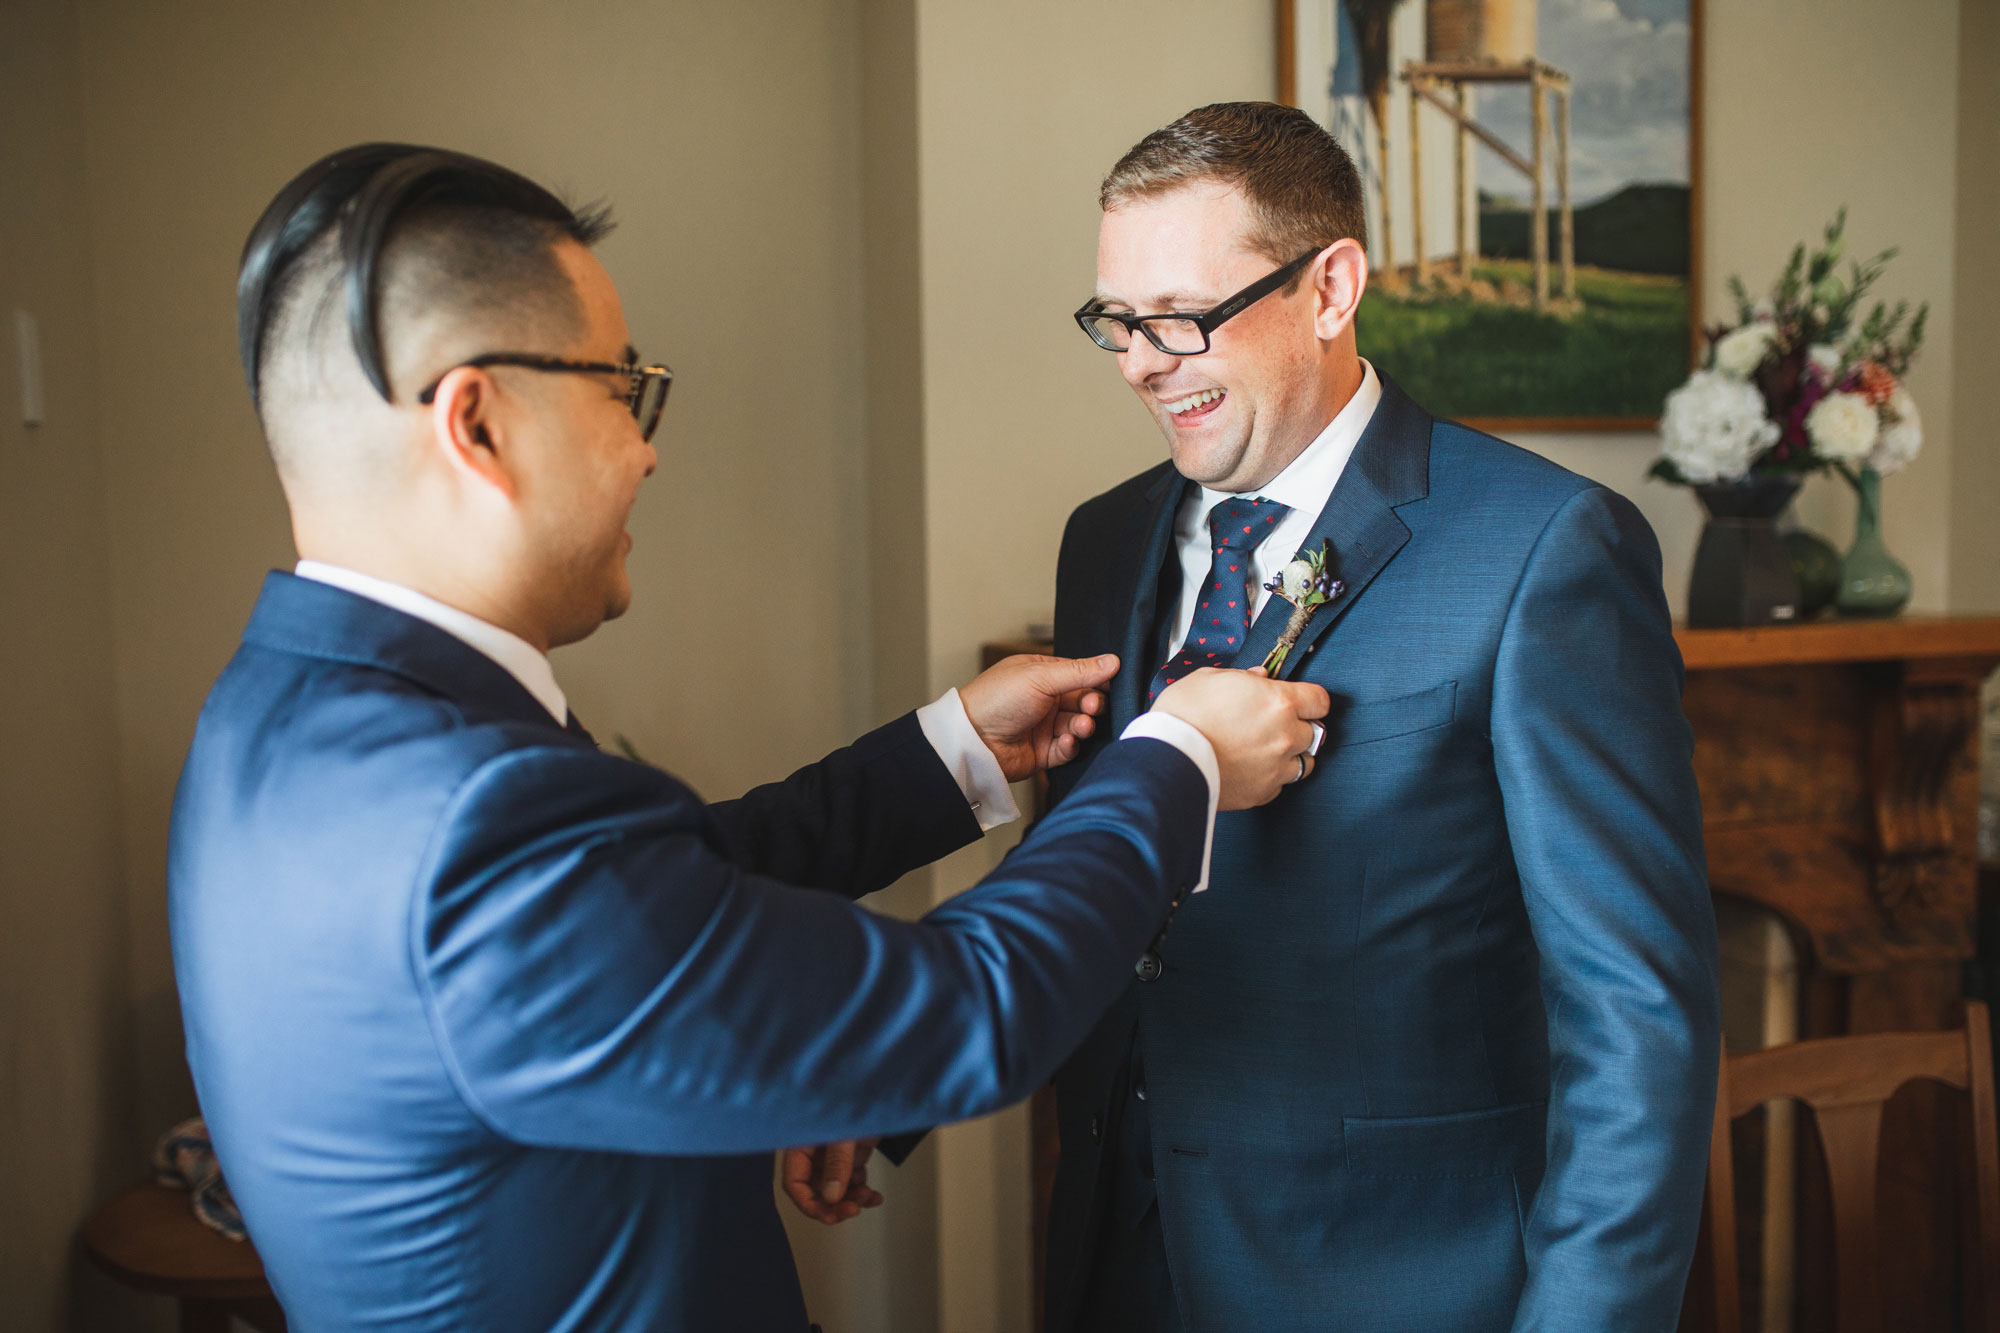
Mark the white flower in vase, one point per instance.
(1843, 427)
(1713, 427)
(1739, 352)
(1826, 359)
(1902, 434)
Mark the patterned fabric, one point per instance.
(1222, 618)
(185, 1160)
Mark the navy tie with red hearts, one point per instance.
(1221, 619)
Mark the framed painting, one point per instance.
(1530, 171)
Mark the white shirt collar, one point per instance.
(1309, 479)
(522, 660)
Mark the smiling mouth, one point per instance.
(1194, 406)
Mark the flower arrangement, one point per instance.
(1797, 384)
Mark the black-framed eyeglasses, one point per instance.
(647, 396)
(1182, 334)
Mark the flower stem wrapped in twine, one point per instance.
(1308, 584)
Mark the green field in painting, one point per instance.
(1616, 357)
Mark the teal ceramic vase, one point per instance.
(1741, 575)
(1872, 582)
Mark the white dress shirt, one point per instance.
(943, 721)
(1304, 485)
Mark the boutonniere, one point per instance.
(1308, 584)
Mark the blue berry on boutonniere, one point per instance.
(1308, 584)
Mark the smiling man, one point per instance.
(1442, 1054)
(494, 1031)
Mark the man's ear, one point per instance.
(466, 430)
(1338, 278)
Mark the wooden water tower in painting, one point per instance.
(1469, 42)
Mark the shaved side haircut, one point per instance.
(1304, 190)
(388, 233)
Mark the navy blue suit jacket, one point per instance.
(1438, 1050)
(494, 1031)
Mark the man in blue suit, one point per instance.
(495, 1031)
(1439, 1052)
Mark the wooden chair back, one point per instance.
(1845, 1081)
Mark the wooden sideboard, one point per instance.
(1838, 764)
(1839, 775)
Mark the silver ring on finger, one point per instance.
(1302, 770)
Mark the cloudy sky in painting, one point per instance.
(1628, 64)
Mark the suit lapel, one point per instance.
(1390, 467)
(1134, 588)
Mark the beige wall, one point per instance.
(1975, 478)
(65, 1129)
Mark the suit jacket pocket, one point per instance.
(1379, 721)
(1463, 1146)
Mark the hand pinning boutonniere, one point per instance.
(1308, 584)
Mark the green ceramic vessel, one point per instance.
(1816, 565)
(1872, 582)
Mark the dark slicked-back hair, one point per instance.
(1303, 188)
(360, 196)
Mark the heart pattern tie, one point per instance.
(1221, 620)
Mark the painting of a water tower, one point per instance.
(1527, 166)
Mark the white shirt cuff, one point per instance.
(1186, 738)
(972, 765)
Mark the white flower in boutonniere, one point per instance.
(1843, 427)
(1308, 584)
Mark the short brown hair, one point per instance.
(1303, 188)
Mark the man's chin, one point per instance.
(1205, 462)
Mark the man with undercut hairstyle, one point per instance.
(1439, 1052)
(495, 1031)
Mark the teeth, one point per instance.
(1193, 400)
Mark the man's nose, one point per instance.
(1141, 361)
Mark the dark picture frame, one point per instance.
(1619, 333)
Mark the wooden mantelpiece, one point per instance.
(1840, 786)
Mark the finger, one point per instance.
(1074, 724)
(796, 1174)
(1061, 750)
(866, 1197)
(1064, 675)
(834, 1170)
(1306, 699)
(1091, 703)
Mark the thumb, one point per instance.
(1061, 675)
(835, 1168)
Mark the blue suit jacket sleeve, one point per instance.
(855, 822)
(1594, 760)
(601, 974)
